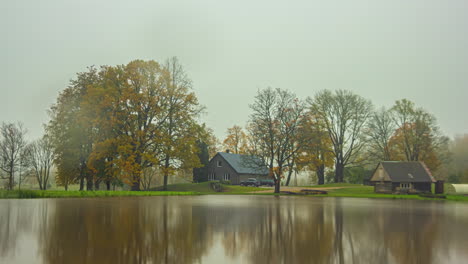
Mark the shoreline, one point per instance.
(38, 194)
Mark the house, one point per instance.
(402, 177)
(226, 166)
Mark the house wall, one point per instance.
(383, 187)
(380, 175)
(416, 187)
(220, 171)
(244, 177)
(422, 186)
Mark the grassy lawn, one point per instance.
(173, 189)
(362, 191)
(205, 188)
(71, 194)
(343, 190)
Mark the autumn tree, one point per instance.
(344, 115)
(381, 128)
(112, 124)
(316, 152)
(179, 129)
(417, 137)
(70, 132)
(40, 159)
(236, 140)
(274, 130)
(12, 145)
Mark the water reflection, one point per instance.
(239, 229)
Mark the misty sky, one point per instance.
(383, 50)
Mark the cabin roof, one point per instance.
(407, 171)
(244, 164)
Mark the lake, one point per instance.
(232, 229)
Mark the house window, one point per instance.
(211, 177)
(227, 177)
(405, 185)
(220, 163)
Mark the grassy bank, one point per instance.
(73, 194)
(361, 191)
(205, 188)
(334, 190)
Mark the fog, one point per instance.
(382, 50)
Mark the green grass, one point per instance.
(362, 191)
(335, 185)
(72, 194)
(347, 190)
(205, 188)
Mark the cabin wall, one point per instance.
(219, 170)
(416, 187)
(380, 175)
(383, 187)
(422, 186)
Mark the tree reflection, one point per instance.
(124, 231)
(15, 221)
(249, 230)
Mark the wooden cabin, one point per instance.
(402, 177)
(226, 166)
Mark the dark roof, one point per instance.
(244, 164)
(407, 171)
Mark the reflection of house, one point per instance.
(402, 177)
(225, 166)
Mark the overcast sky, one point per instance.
(383, 50)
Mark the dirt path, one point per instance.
(294, 189)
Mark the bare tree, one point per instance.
(273, 128)
(344, 115)
(380, 130)
(40, 158)
(12, 144)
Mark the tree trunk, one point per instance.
(108, 185)
(277, 185)
(81, 182)
(321, 174)
(11, 181)
(136, 182)
(89, 183)
(166, 166)
(96, 185)
(339, 171)
(290, 172)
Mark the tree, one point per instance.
(459, 164)
(236, 140)
(71, 132)
(40, 158)
(344, 115)
(201, 174)
(380, 130)
(179, 130)
(12, 144)
(274, 130)
(316, 152)
(207, 145)
(417, 137)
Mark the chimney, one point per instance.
(227, 150)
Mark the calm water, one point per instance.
(232, 229)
